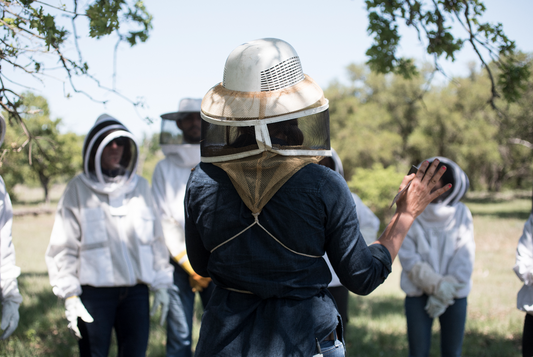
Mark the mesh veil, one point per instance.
(258, 178)
(170, 133)
(258, 168)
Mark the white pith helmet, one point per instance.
(264, 84)
(172, 137)
(186, 106)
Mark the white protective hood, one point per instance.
(105, 130)
(185, 155)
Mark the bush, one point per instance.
(377, 187)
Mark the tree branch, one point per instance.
(518, 141)
(494, 92)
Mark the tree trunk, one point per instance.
(45, 182)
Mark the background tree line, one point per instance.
(380, 125)
(59, 155)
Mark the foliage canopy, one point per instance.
(438, 23)
(35, 35)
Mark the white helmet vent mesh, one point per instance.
(282, 75)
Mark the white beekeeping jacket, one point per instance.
(8, 270)
(524, 267)
(168, 188)
(106, 232)
(443, 237)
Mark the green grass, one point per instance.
(377, 324)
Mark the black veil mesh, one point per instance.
(303, 134)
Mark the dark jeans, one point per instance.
(124, 308)
(180, 313)
(527, 337)
(452, 327)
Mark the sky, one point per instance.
(190, 41)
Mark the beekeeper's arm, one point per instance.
(524, 254)
(62, 260)
(173, 232)
(9, 272)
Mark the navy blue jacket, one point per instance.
(287, 305)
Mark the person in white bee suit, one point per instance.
(437, 259)
(369, 227)
(180, 142)
(524, 270)
(11, 298)
(261, 213)
(107, 249)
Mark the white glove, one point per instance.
(447, 289)
(423, 276)
(435, 307)
(161, 298)
(74, 309)
(10, 318)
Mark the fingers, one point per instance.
(432, 175)
(421, 173)
(440, 191)
(8, 330)
(406, 180)
(154, 308)
(85, 316)
(73, 327)
(164, 313)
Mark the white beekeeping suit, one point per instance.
(106, 232)
(524, 267)
(437, 255)
(170, 179)
(11, 298)
(180, 142)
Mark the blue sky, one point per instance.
(188, 46)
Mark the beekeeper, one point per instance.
(524, 270)
(11, 298)
(261, 213)
(180, 142)
(107, 249)
(437, 259)
(369, 227)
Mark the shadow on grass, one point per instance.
(377, 327)
(42, 329)
(520, 215)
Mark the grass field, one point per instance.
(377, 324)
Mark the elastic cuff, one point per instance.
(382, 254)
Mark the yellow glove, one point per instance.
(198, 283)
